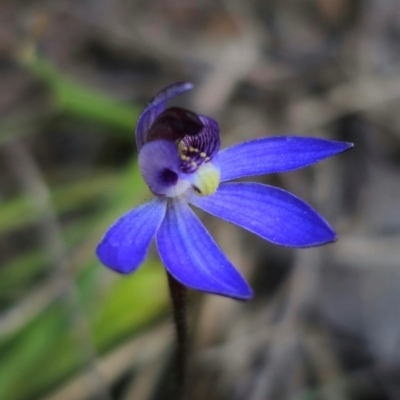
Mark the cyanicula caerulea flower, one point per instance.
(180, 161)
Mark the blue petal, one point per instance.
(125, 245)
(155, 107)
(192, 257)
(275, 154)
(269, 212)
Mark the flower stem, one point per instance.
(179, 305)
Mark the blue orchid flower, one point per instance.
(180, 162)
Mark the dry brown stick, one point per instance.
(359, 95)
(138, 353)
(23, 166)
(134, 37)
(324, 362)
(235, 60)
(24, 311)
(368, 252)
(283, 355)
(144, 384)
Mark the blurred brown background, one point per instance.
(74, 75)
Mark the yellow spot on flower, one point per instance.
(182, 147)
(202, 154)
(207, 179)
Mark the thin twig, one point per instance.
(139, 352)
(21, 163)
